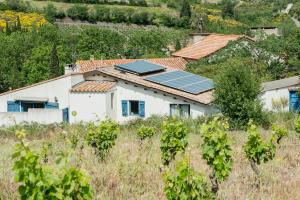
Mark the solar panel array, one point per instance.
(140, 67)
(182, 80)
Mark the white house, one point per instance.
(93, 90)
(281, 95)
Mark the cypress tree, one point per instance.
(54, 68)
(185, 10)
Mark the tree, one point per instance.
(236, 92)
(185, 10)
(228, 7)
(54, 68)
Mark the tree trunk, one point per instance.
(214, 182)
(257, 174)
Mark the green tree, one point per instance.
(228, 7)
(54, 68)
(185, 10)
(236, 92)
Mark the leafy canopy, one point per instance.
(236, 93)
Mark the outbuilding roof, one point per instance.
(282, 83)
(88, 65)
(207, 46)
(93, 86)
(204, 97)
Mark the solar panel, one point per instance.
(182, 80)
(140, 67)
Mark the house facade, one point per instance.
(281, 95)
(92, 92)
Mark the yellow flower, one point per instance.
(27, 20)
(21, 134)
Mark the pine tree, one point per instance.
(54, 68)
(185, 10)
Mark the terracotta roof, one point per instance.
(204, 98)
(88, 65)
(207, 46)
(93, 86)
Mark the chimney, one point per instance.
(70, 68)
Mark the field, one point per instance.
(132, 169)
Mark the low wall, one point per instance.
(42, 116)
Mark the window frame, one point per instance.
(180, 109)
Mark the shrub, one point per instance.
(258, 151)
(279, 132)
(145, 131)
(39, 181)
(102, 13)
(216, 150)
(236, 93)
(173, 139)
(103, 136)
(297, 125)
(186, 184)
(50, 12)
(78, 12)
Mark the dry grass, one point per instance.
(131, 171)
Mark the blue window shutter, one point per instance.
(124, 108)
(142, 108)
(51, 105)
(294, 101)
(13, 106)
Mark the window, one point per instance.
(181, 110)
(27, 105)
(133, 107)
(112, 101)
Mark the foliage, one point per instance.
(145, 131)
(279, 132)
(28, 21)
(54, 68)
(236, 93)
(280, 104)
(185, 10)
(173, 139)
(186, 184)
(216, 148)
(103, 136)
(228, 7)
(39, 181)
(78, 12)
(25, 56)
(257, 150)
(297, 125)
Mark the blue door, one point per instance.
(294, 101)
(66, 115)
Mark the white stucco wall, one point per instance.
(276, 94)
(155, 103)
(42, 116)
(87, 106)
(58, 88)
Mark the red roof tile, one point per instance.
(207, 46)
(88, 65)
(93, 86)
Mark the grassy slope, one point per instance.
(132, 169)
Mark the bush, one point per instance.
(279, 132)
(173, 139)
(145, 131)
(103, 136)
(236, 93)
(78, 12)
(297, 125)
(50, 12)
(40, 181)
(186, 184)
(216, 150)
(258, 151)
